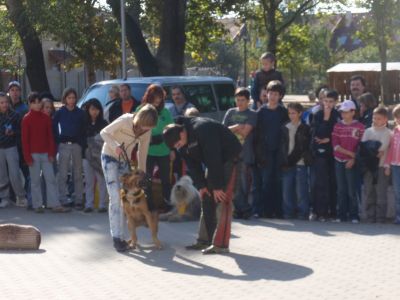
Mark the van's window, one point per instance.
(225, 94)
(99, 92)
(201, 96)
(138, 90)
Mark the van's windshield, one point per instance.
(100, 92)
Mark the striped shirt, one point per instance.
(393, 156)
(346, 136)
(9, 121)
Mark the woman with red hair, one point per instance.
(159, 154)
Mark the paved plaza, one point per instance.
(269, 259)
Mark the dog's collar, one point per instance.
(137, 195)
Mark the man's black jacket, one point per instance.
(115, 110)
(211, 145)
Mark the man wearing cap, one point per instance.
(14, 93)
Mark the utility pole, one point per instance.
(123, 40)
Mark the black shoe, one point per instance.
(88, 210)
(198, 246)
(102, 210)
(120, 245)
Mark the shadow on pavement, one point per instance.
(253, 268)
(326, 229)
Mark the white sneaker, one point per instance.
(355, 221)
(3, 203)
(21, 202)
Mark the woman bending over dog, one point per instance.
(122, 135)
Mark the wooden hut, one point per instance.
(339, 78)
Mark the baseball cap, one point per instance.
(347, 105)
(13, 83)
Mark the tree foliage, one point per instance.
(380, 29)
(91, 34)
(10, 45)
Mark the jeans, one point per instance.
(91, 178)
(241, 197)
(9, 173)
(66, 152)
(267, 193)
(113, 169)
(346, 191)
(396, 188)
(375, 201)
(295, 190)
(324, 187)
(41, 164)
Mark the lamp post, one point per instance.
(123, 40)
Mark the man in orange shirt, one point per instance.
(126, 104)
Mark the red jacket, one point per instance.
(37, 135)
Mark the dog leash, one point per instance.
(124, 156)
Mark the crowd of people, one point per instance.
(270, 160)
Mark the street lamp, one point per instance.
(123, 41)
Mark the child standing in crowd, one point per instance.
(159, 154)
(392, 162)
(9, 160)
(367, 104)
(69, 126)
(241, 121)
(39, 152)
(265, 75)
(296, 158)
(92, 158)
(375, 180)
(346, 137)
(324, 184)
(48, 107)
(267, 187)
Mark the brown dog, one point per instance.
(135, 206)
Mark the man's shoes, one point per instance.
(120, 245)
(197, 246)
(88, 210)
(102, 210)
(215, 250)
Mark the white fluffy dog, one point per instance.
(186, 201)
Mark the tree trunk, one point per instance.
(270, 24)
(147, 63)
(35, 66)
(91, 73)
(380, 12)
(171, 52)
